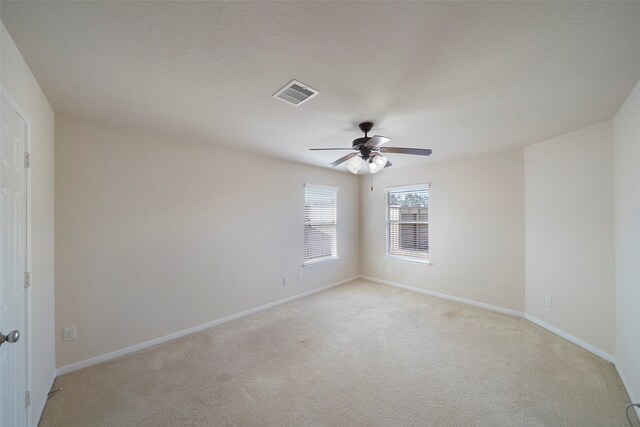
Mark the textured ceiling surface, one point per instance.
(460, 78)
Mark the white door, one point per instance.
(13, 250)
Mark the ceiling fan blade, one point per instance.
(400, 150)
(376, 141)
(323, 149)
(388, 165)
(343, 159)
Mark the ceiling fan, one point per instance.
(369, 149)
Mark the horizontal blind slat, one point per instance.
(320, 222)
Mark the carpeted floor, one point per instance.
(361, 354)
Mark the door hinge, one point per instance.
(27, 279)
(27, 399)
(27, 159)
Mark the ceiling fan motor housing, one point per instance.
(365, 152)
(359, 142)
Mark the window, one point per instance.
(408, 222)
(320, 219)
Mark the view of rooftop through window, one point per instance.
(408, 223)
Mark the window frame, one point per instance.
(309, 262)
(401, 258)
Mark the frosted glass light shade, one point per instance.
(380, 161)
(355, 164)
(377, 163)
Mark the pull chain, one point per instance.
(371, 175)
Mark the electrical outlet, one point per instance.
(284, 281)
(548, 301)
(299, 278)
(69, 334)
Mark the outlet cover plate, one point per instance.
(69, 334)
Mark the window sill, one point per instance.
(314, 262)
(408, 260)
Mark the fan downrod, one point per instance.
(365, 127)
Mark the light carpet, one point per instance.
(361, 354)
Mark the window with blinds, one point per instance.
(320, 223)
(408, 222)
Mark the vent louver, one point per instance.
(295, 93)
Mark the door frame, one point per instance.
(27, 294)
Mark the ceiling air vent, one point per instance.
(295, 93)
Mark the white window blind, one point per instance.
(408, 222)
(320, 222)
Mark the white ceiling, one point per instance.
(460, 78)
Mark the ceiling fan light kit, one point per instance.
(376, 163)
(367, 151)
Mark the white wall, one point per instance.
(121, 281)
(627, 232)
(19, 84)
(476, 234)
(156, 235)
(569, 233)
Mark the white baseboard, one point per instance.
(118, 353)
(137, 347)
(568, 337)
(627, 387)
(577, 341)
(606, 356)
(36, 414)
(447, 297)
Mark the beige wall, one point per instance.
(569, 233)
(156, 235)
(476, 234)
(21, 87)
(627, 230)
